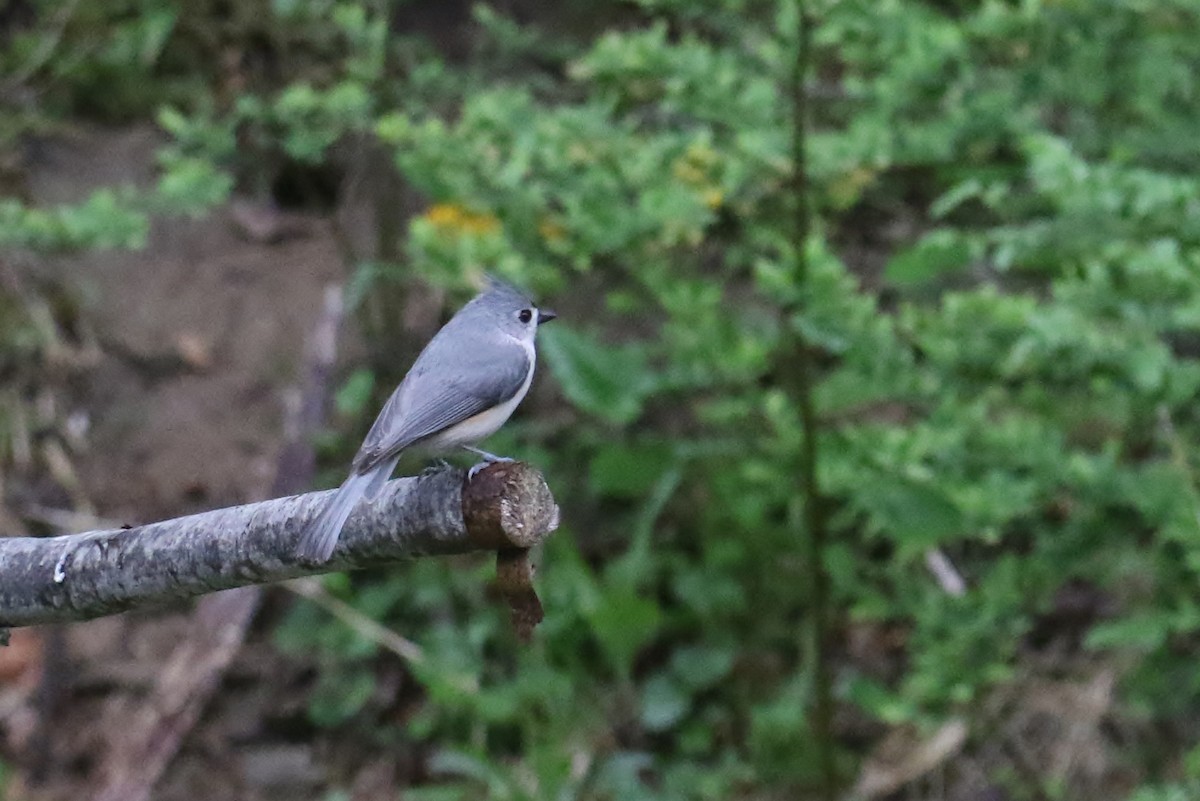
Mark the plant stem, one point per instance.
(802, 380)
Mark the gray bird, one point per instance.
(461, 389)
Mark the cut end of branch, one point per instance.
(508, 507)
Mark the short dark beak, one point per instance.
(546, 315)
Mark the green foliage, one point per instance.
(611, 382)
(1166, 792)
(101, 58)
(104, 220)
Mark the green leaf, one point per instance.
(192, 185)
(621, 776)
(781, 743)
(878, 701)
(664, 703)
(938, 252)
(609, 381)
(1144, 632)
(459, 791)
(339, 695)
(353, 396)
(917, 514)
(630, 471)
(623, 622)
(701, 666)
(460, 763)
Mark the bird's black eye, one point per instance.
(525, 315)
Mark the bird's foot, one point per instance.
(475, 468)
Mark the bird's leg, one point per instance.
(489, 457)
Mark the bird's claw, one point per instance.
(488, 461)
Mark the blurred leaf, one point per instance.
(609, 381)
(630, 470)
(1191, 763)
(878, 701)
(340, 693)
(620, 775)
(191, 185)
(107, 219)
(460, 763)
(664, 702)
(440, 792)
(701, 666)
(917, 514)
(623, 622)
(1143, 632)
(1166, 792)
(780, 743)
(354, 395)
(937, 252)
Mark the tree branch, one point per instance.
(506, 506)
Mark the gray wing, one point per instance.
(443, 389)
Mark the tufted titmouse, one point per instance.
(462, 387)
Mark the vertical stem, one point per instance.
(802, 383)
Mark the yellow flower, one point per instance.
(687, 172)
(454, 219)
(694, 169)
(444, 215)
(552, 230)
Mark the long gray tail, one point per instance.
(320, 538)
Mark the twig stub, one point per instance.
(514, 580)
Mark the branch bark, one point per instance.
(506, 506)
